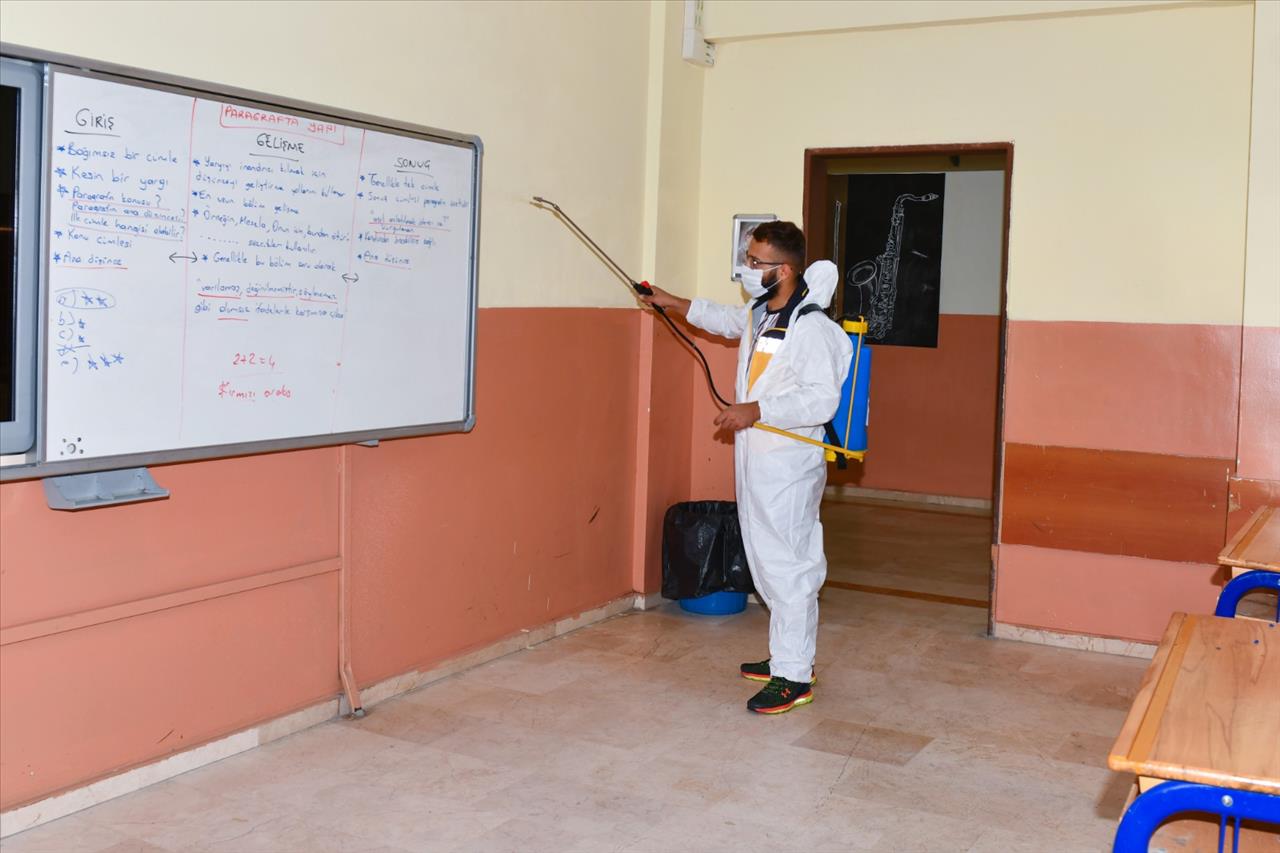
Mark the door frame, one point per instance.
(815, 225)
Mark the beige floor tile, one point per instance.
(167, 815)
(472, 698)
(870, 743)
(579, 808)
(1084, 748)
(522, 835)
(340, 745)
(839, 823)
(404, 721)
(172, 817)
(990, 791)
(396, 819)
(440, 774)
(134, 846)
(1008, 841)
(79, 833)
(284, 833)
(293, 777)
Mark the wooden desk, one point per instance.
(1256, 546)
(1254, 554)
(1208, 709)
(1208, 712)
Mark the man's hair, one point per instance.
(784, 237)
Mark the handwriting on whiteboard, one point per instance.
(209, 262)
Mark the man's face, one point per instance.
(762, 256)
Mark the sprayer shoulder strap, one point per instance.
(829, 427)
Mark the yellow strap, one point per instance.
(830, 448)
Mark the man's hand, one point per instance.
(738, 417)
(662, 299)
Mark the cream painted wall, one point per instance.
(1262, 262)
(1131, 135)
(736, 19)
(557, 91)
(675, 133)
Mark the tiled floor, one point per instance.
(631, 735)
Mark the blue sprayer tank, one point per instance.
(850, 422)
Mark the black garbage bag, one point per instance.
(702, 550)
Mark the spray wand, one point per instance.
(641, 287)
(644, 289)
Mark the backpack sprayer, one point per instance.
(846, 433)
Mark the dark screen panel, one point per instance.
(10, 103)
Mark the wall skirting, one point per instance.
(1081, 642)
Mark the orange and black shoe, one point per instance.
(759, 671)
(780, 696)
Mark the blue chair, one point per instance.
(1168, 799)
(1241, 586)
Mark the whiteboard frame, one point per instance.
(36, 465)
(20, 430)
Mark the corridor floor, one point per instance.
(908, 547)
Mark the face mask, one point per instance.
(753, 282)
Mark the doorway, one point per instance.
(920, 237)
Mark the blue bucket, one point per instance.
(716, 604)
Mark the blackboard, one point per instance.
(894, 245)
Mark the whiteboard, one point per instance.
(223, 276)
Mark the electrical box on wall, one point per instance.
(696, 49)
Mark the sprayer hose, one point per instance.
(697, 351)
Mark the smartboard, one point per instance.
(226, 276)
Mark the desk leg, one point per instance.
(1165, 800)
(1240, 586)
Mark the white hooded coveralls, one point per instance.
(780, 480)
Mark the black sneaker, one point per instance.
(780, 696)
(759, 671)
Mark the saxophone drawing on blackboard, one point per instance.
(876, 280)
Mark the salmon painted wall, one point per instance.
(130, 633)
(933, 414)
(711, 453)
(1126, 277)
(458, 541)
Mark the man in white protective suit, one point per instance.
(792, 362)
